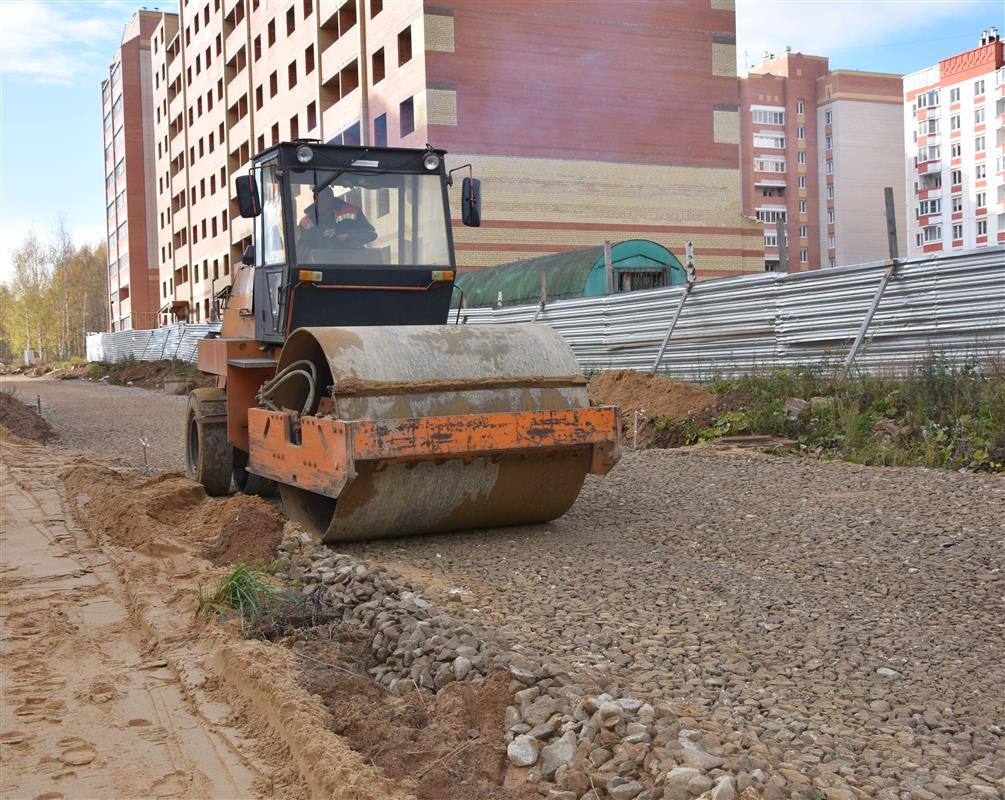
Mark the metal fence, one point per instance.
(954, 305)
(170, 342)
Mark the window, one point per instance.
(830, 216)
(830, 167)
(309, 60)
(832, 262)
(804, 231)
(801, 157)
(926, 207)
(956, 177)
(291, 21)
(979, 115)
(931, 153)
(768, 139)
(958, 231)
(954, 95)
(380, 131)
(308, 8)
(931, 233)
(768, 164)
(830, 192)
(768, 117)
(272, 33)
(980, 172)
(800, 107)
(978, 87)
(928, 99)
(258, 47)
(376, 6)
(405, 46)
(955, 150)
(979, 144)
(294, 127)
(800, 132)
(828, 117)
(312, 116)
(291, 74)
(829, 142)
(377, 66)
(982, 200)
(982, 227)
(406, 116)
(802, 206)
(831, 242)
(957, 204)
(770, 214)
(259, 98)
(927, 126)
(802, 181)
(804, 256)
(771, 238)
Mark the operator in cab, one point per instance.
(336, 222)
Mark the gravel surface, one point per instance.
(110, 419)
(840, 628)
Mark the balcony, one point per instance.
(769, 182)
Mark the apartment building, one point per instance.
(818, 146)
(130, 199)
(954, 140)
(543, 97)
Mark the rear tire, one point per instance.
(208, 454)
(248, 482)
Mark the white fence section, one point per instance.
(954, 305)
(170, 342)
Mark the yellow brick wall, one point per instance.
(441, 106)
(724, 5)
(634, 199)
(724, 60)
(439, 32)
(726, 127)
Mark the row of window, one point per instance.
(933, 233)
(930, 98)
(933, 152)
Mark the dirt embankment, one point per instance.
(654, 396)
(22, 420)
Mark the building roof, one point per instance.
(574, 273)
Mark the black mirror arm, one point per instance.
(450, 173)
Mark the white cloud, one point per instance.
(14, 231)
(822, 27)
(60, 42)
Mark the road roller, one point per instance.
(344, 379)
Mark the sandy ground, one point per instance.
(89, 709)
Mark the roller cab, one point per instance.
(341, 383)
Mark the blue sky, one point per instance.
(54, 54)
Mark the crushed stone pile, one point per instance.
(657, 397)
(571, 733)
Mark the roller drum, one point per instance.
(420, 371)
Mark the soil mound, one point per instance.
(658, 397)
(23, 420)
(157, 515)
(248, 530)
(450, 745)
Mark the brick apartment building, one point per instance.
(130, 196)
(573, 141)
(954, 142)
(817, 148)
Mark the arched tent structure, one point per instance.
(637, 264)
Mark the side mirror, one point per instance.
(471, 202)
(247, 196)
(248, 259)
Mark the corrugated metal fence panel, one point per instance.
(170, 342)
(954, 305)
(950, 304)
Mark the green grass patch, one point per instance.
(939, 414)
(246, 590)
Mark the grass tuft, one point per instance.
(245, 590)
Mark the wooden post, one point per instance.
(891, 223)
(609, 267)
(783, 246)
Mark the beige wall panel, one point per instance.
(439, 32)
(726, 127)
(724, 60)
